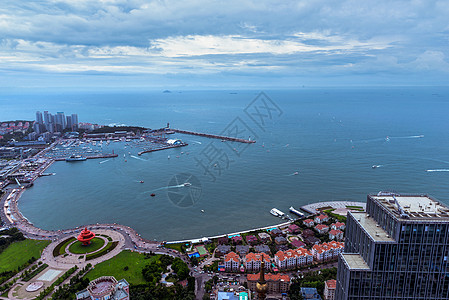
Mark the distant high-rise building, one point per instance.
(69, 122)
(47, 118)
(75, 121)
(398, 249)
(39, 119)
(61, 121)
(37, 128)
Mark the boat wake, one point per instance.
(388, 138)
(135, 157)
(186, 184)
(293, 174)
(102, 162)
(196, 142)
(438, 170)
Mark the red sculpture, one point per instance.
(86, 236)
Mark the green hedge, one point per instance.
(61, 246)
(109, 247)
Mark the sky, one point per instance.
(223, 44)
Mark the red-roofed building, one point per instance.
(338, 226)
(277, 283)
(308, 222)
(321, 219)
(327, 251)
(298, 244)
(237, 240)
(251, 240)
(293, 228)
(329, 289)
(336, 234)
(232, 261)
(291, 259)
(254, 260)
(321, 228)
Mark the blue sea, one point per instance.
(331, 136)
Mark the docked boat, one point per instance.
(296, 212)
(75, 158)
(276, 212)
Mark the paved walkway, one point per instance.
(313, 208)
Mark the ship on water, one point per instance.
(296, 212)
(75, 158)
(277, 213)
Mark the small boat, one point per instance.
(296, 173)
(187, 184)
(375, 166)
(152, 195)
(141, 181)
(202, 210)
(168, 157)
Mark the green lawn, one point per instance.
(115, 267)
(20, 252)
(78, 248)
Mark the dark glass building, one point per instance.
(398, 249)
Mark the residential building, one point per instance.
(291, 259)
(336, 235)
(254, 260)
(105, 288)
(308, 222)
(280, 240)
(321, 228)
(222, 249)
(75, 121)
(251, 240)
(329, 289)
(231, 261)
(242, 249)
(39, 118)
(276, 232)
(264, 237)
(321, 219)
(397, 249)
(338, 226)
(327, 251)
(60, 121)
(298, 244)
(293, 228)
(277, 283)
(223, 240)
(312, 240)
(262, 248)
(308, 232)
(237, 240)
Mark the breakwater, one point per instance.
(214, 136)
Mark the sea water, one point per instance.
(330, 136)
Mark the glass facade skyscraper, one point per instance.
(398, 249)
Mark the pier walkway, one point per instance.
(214, 136)
(162, 148)
(313, 208)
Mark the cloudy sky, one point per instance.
(220, 44)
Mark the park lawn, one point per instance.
(79, 248)
(115, 267)
(19, 253)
